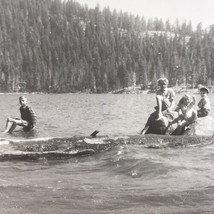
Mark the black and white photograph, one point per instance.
(107, 107)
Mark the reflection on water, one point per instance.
(124, 179)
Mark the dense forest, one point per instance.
(62, 46)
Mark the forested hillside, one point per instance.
(61, 46)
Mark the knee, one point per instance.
(9, 119)
(159, 97)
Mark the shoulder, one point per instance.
(207, 99)
(201, 100)
(30, 109)
(159, 92)
(171, 92)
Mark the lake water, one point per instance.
(124, 179)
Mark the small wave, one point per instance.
(69, 147)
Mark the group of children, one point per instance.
(187, 115)
(165, 102)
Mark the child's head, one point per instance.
(185, 100)
(204, 91)
(23, 100)
(163, 82)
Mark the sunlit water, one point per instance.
(125, 179)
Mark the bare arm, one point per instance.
(193, 102)
(190, 120)
(177, 119)
(172, 105)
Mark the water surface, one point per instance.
(124, 179)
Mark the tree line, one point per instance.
(61, 46)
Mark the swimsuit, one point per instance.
(204, 105)
(28, 117)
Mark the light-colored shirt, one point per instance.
(167, 94)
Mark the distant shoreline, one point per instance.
(137, 90)
(128, 90)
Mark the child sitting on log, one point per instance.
(187, 116)
(204, 103)
(27, 120)
(165, 102)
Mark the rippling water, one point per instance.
(128, 178)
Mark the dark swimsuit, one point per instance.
(27, 114)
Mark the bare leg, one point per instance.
(10, 125)
(178, 130)
(144, 130)
(150, 120)
(159, 102)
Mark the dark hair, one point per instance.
(163, 81)
(22, 97)
(204, 89)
